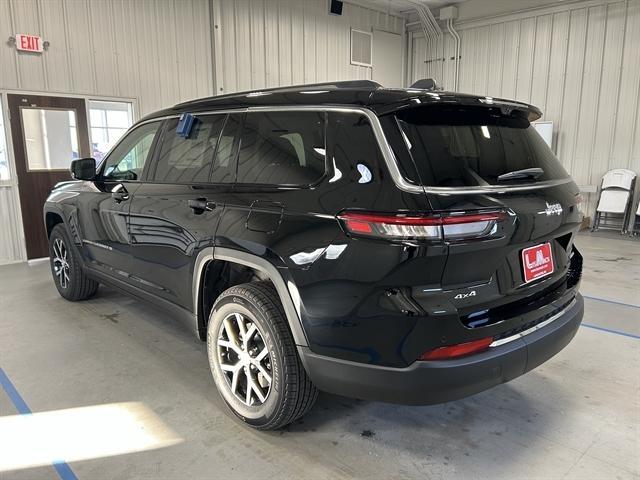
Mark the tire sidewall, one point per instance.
(238, 303)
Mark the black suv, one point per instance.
(403, 245)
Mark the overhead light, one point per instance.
(485, 131)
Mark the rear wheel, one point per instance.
(70, 279)
(253, 358)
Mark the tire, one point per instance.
(284, 397)
(71, 281)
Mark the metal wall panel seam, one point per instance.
(597, 99)
(116, 44)
(579, 106)
(517, 62)
(216, 48)
(92, 61)
(635, 118)
(533, 54)
(615, 118)
(564, 81)
(43, 63)
(12, 21)
(546, 90)
(65, 23)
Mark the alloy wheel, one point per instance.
(61, 266)
(244, 359)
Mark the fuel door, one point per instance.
(264, 216)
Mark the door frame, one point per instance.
(16, 229)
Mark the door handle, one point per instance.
(119, 193)
(201, 205)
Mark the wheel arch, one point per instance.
(51, 219)
(287, 291)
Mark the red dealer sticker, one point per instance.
(537, 262)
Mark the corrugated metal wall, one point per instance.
(579, 63)
(155, 52)
(11, 243)
(158, 52)
(267, 43)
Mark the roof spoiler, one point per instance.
(425, 84)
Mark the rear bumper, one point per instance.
(424, 383)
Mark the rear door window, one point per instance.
(224, 165)
(282, 148)
(188, 159)
(471, 146)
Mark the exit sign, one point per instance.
(29, 43)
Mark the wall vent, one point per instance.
(361, 43)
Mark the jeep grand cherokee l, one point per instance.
(402, 245)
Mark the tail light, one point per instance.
(458, 350)
(460, 225)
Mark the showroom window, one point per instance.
(4, 154)
(188, 159)
(282, 148)
(108, 122)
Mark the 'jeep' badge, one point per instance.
(553, 209)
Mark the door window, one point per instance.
(126, 161)
(188, 159)
(282, 148)
(50, 137)
(224, 168)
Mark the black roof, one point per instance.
(359, 93)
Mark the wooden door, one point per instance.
(48, 133)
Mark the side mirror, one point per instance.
(83, 169)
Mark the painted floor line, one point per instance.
(609, 330)
(62, 468)
(615, 302)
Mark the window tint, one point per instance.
(224, 168)
(467, 146)
(188, 160)
(355, 152)
(282, 148)
(127, 160)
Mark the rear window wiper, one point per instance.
(531, 173)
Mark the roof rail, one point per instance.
(364, 84)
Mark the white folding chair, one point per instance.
(636, 222)
(615, 200)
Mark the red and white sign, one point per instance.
(29, 43)
(537, 262)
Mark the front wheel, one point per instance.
(71, 281)
(253, 358)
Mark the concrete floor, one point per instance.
(577, 416)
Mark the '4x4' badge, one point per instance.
(460, 296)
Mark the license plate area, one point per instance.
(537, 262)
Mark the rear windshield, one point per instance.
(476, 146)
